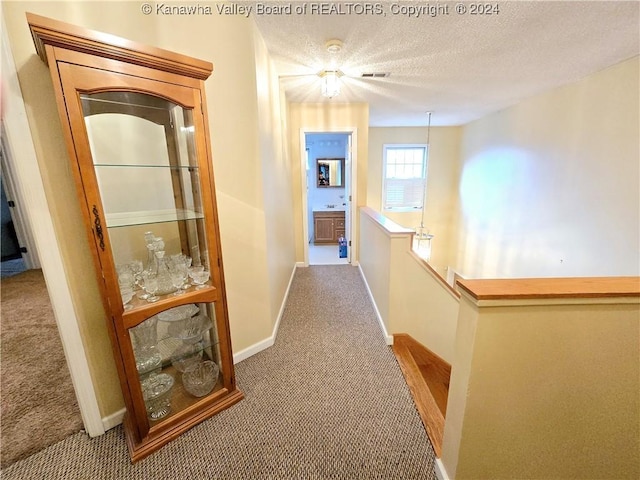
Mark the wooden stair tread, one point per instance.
(434, 369)
(427, 376)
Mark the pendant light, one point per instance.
(331, 77)
(422, 238)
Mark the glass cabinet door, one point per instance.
(152, 218)
(146, 169)
(178, 359)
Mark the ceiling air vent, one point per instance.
(376, 75)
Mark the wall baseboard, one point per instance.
(269, 341)
(301, 264)
(253, 349)
(441, 473)
(388, 338)
(113, 420)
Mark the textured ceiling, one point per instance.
(460, 67)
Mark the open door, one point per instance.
(348, 195)
(327, 188)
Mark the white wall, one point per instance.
(423, 305)
(409, 296)
(442, 176)
(276, 182)
(375, 262)
(550, 187)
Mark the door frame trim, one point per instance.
(352, 188)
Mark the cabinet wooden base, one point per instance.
(139, 449)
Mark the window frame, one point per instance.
(423, 179)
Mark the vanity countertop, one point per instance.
(325, 209)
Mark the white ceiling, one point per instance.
(460, 67)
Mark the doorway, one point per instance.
(11, 262)
(15, 258)
(327, 158)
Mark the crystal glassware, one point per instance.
(165, 284)
(190, 329)
(195, 269)
(126, 277)
(126, 293)
(145, 345)
(136, 267)
(181, 259)
(181, 263)
(149, 239)
(177, 278)
(146, 335)
(156, 391)
(149, 366)
(200, 379)
(177, 314)
(187, 355)
(200, 278)
(142, 294)
(151, 286)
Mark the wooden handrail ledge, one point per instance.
(389, 226)
(552, 288)
(434, 273)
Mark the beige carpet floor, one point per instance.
(326, 401)
(39, 406)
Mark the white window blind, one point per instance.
(404, 174)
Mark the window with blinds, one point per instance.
(404, 176)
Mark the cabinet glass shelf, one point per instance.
(137, 165)
(168, 346)
(140, 194)
(130, 219)
(138, 308)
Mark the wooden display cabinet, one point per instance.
(136, 128)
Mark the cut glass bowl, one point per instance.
(200, 379)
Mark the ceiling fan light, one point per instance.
(330, 83)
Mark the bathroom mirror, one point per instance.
(330, 172)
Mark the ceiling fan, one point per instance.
(330, 77)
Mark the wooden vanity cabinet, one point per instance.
(328, 227)
(136, 129)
